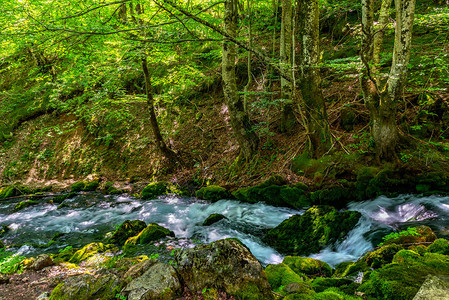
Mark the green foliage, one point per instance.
(410, 231)
(10, 262)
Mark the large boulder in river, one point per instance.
(212, 219)
(155, 189)
(86, 286)
(317, 228)
(309, 266)
(151, 279)
(126, 230)
(225, 265)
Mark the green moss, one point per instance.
(309, 266)
(155, 189)
(381, 256)
(213, 193)
(13, 191)
(406, 257)
(337, 196)
(440, 246)
(420, 234)
(126, 230)
(274, 195)
(403, 278)
(87, 186)
(24, 204)
(280, 275)
(318, 227)
(92, 185)
(90, 250)
(250, 291)
(152, 232)
(333, 294)
(214, 218)
(78, 186)
(320, 284)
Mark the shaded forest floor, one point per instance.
(59, 147)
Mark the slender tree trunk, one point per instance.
(382, 101)
(315, 108)
(167, 152)
(246, 137)
(286, 64)
(248, 62)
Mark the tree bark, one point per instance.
(381, 99)
(286, 64)
(167, 152)
(248, 62)
(246, 137)
(310, 79)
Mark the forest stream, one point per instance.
(88, 217)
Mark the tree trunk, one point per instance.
(382, 101)
(248, 62)
(167, 152)
(246, 137)
(310, 79)
(286, 64)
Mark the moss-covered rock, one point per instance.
(320, 284)
(402, 278)
(155, 189)
(126, 230)
(24, 204)
(336, 196)
(280, 275)
(317, 228)
(90, 250)
(111, 190)
(424, 235)
(406, 257)
(151, 233)
(86, 286)
(309, 266)
(85, 186)
(440, 246)
(13, 191)
(213, 218)
(381, 256)
(273, 193)
(213, 193)
(157, 281)
(225, 265)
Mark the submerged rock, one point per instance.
(213, 193)
(126, 230)
(224, 265)
(434, 288)
(24, 204)
(214, 218)
(87, 286)
(317, 228)
(157, 281)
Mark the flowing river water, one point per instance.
(88, 217)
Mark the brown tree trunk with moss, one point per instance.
(381, 97)
(286, 64)
(310, 79)
(167, 152)
(241, 126)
